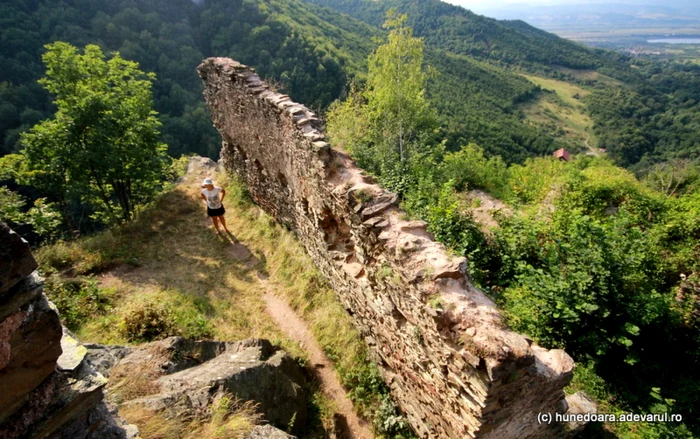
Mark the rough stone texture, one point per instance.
(68, 404)
(456, 371)
(103, 358)
(29, 347)
(268, 432)
(16, 261)
(198, 372)
(101, 422)
(47, 389)
(578, 403)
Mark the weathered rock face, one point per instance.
(455, 370)
(30, 330)
(47, 390)
(30, 345)
(195, 373)
(16, 261)
(268, 432)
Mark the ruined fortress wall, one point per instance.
(453, 367)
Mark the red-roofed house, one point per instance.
(562, 154)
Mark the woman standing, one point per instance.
(214, 196)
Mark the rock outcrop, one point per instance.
(451, 364)
(268, 432)
(188, 376)
(47, 389)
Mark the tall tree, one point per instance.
(101, 147)
(384, 125)
(396, 88)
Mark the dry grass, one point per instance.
(170, 254)
(229, 419)
(153, 425)
(131, 381)
(562, 110)
(590, 75)
(566, 91)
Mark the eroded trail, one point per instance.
(349, 424)
(179, 261)
(296, 329)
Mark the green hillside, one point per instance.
(460, 31)
(310, 52)
(643, 112)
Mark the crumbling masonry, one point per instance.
(452, 366)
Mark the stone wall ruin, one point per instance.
(455, 370)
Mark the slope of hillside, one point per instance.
(311, 52)
(311, 56)
(642, 112)
(460, 31)
(167, 273)
(478, 102)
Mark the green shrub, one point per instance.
(146, 321)
(468, 168)
(531, 182)
(78, 299)
(389, 422)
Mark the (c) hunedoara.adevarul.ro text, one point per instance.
(548, 418)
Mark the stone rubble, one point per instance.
(455, 370)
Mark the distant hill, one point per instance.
(460, 31)
(601, 15)
(640, 111)
(313, 50)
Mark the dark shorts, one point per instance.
(216, 212)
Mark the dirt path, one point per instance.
(296, 329)
(348, 423)
(284, 317)
(588, 145)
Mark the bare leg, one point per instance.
(215, 220)
(223, 223)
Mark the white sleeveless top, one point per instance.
(213, 200)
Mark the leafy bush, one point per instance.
(42, 216)
(531, 182)
(78, 299)
(147, 320)
(388, 421)
(468, 168)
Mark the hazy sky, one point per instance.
(480, 5)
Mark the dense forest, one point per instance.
(655, 118)
(313, 52)
(308, 56)
(307, 51)
(460, 31)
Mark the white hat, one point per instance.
(207, 182)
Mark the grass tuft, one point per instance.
(168, 266)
